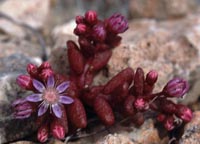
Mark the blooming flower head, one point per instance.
(176, 87)
(50, 96)
(117, 23)
(22, 108)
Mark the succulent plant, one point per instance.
(58, 101)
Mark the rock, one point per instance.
(191, 132)
(81, 6)
(115, 139)
(23, 142)
(16, 63)
(194, 93)
(12, 29)
(16, 53)
(31, 12)
(58, 55)
(58, 60)
(55, 141)
(12, 129)
(64, 29)
(147, 133)
(110, 6)
(62, 33)
(10, 46)
(161, 9)
(121, 133)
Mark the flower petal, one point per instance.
(62, 87)
(43, 108)
(57, 110)
(65, 100)
(19, 101)
(38, 85)
(22, 117)
(34, 98)
(50, 81)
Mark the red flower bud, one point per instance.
(169, 123)
(117, 24)
(184, 113)
(91, 17)
(140, 104)
(46, 73)
(43, 134)
(152, 77)
(25, 81)
(99, 32)
(57, 130)
(32, 70)
(22, 109)
(80, 29)
(45, 65)
(80, 19)
(176, 87)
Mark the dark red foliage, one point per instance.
(77, 115)
(128, 93)
(104, 111)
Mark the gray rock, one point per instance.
(23, 142)
(16, 53)
(10, 46)
(126, 134)
(12, 129)
(16, 63)
(191, 134)
(31, 12)
(58, 60)
(12, 29)
(161, 9)
(115, 139)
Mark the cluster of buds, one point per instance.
(96, 38)
(58, 101)
(131, 94)
(97, 35)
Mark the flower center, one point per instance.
(50, 95)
